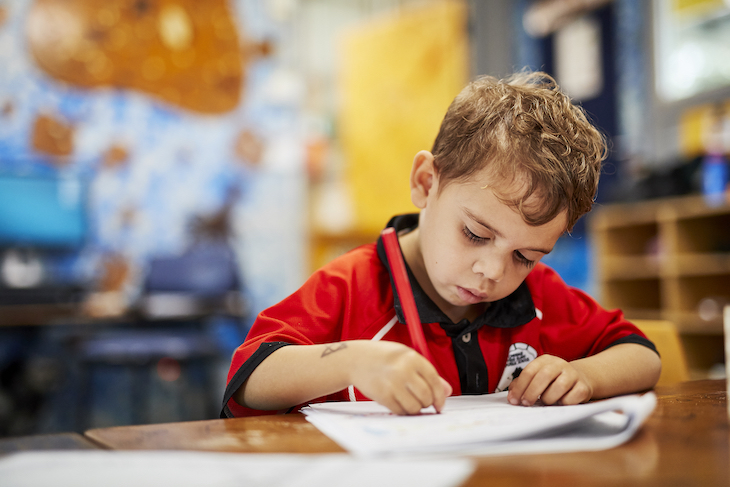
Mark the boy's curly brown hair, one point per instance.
(526, 132)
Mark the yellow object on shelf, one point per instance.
(693, 8)
(665, 337)
(696, 125)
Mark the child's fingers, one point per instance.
(401, 379)
(533, 381)
(439, 389)
(580, 393)
(552, 380)
(538, 385)
(518, 386)
(442, 390)
(448, 390)
(561, 386)
(408, 402)
(427, 388)
(413, 396)
(421, 390)
(392, 403)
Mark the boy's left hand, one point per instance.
(552, 380)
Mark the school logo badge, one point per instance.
(520, 354)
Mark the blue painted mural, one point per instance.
(102, 97)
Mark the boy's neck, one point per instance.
(414, 258)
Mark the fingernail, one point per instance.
(514, 401)
(525, 402)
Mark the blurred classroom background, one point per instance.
(169, 168)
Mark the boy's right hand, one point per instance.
(399, 378)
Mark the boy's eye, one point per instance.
(476, 239)
(472, 237)
(524, 260)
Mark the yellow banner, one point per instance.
(398, 77)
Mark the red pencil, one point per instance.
(405, 293)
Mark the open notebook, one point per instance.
(482, 425)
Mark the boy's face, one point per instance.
(474, 248)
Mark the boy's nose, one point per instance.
(491, 267)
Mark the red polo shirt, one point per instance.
(352, 298)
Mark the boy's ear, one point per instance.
(423, 178)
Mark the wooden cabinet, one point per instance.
(667, 259)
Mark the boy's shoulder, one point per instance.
(544, 282)
(364, 256)
(541, 272)
(361, 281)
(359, 265)
(550, 291)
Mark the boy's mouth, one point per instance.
(471, 296)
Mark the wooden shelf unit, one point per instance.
(660, 259)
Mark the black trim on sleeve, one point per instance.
(638, 339)
(243, 373)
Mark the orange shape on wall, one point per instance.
(115, 156)
(185, 52)
(249, 148)
(7, 109)
(52, 136)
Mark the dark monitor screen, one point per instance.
(42, 211)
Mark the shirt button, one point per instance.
(466, 337)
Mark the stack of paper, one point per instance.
(482, 425)
(90, 468)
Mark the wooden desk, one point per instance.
(56, 441)
(685, 442)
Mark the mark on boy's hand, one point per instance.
(335, 347)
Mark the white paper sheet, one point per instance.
(486, 425)
(196, 469)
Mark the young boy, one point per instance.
(513, 167)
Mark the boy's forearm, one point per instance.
(389, 373)
(296, 374)
(621, 369)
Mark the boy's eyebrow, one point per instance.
(498, 233)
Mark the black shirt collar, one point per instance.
(514, 310)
